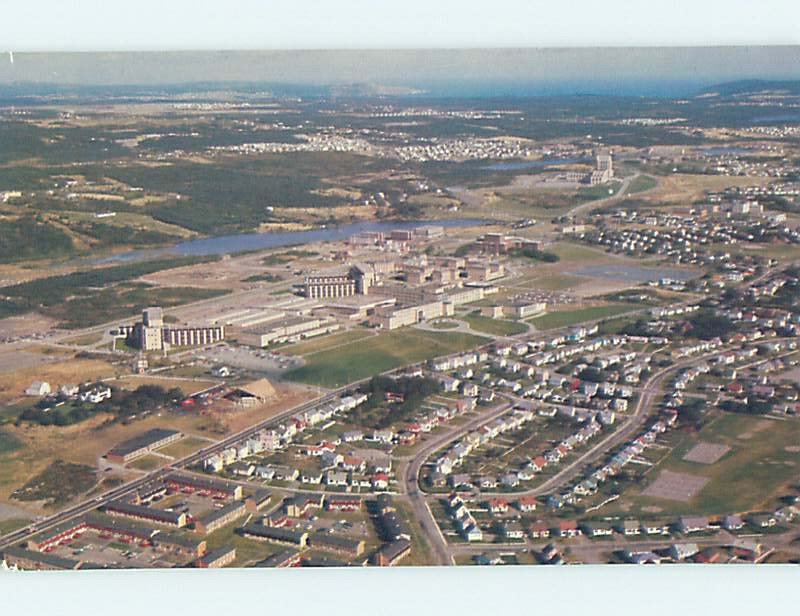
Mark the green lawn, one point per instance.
(750, 474)
(569, 252)
(323, 343)
(565, 318)
(641, 183)
(555, 282)
(148, 463)
(444, 324)
(10, 525)
(496, 327)
(365, 358)
(183, 447)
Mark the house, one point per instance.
(597, 529)
(762, 520)
(693, 524)
(682, 551)
(512, 530)
(540, 530)
(526, 504)
(568, 528)
(498, 505)
(733, 522)
(380, 481)
(630, 528)
(38, 388)
(473, 533)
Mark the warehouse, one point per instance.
(284, 536)
(220, 517)
(142, 444)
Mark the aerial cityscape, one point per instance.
(257, 323)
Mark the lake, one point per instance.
(245, 242)
(533, 164)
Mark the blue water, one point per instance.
(533, 164)
(245, 242)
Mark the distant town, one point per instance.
(259, 331)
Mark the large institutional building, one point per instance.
(150, 334)
(356, 281)
(603, 173)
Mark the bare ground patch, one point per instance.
(706, 453)
(675, 486)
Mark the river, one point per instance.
(245, 242)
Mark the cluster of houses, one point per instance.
(89, 393)
(455, 455)
(684, 239)
(629, 451)
(424, 423)
(464, 520)
(273, 439)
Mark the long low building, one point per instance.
(216, 559)
(206, 485)
(142, 444)
(289, 329)
(28, 560)
(220, 517)
(289, 557)
(275, 534)
(337, 543)
(391, 553)
(150, 514)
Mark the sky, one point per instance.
(257, 40)
(92, 25)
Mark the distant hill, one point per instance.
(751, 86)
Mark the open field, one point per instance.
(186, 385)
(568, 252)
(362, 359)
(183, 447)
(148, 463)
(641, 183)
(324, 343)
(565, 318)
(495, 327)
(74, 371)
(761, 460)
